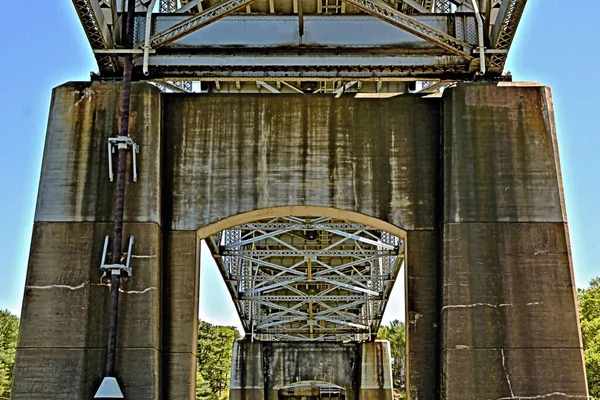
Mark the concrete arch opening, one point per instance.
(310, 291)
(326, 270)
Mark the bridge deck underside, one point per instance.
(277, 44)
(308, 278)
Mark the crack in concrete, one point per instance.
(137, 291)
(487, 305)
(512, 393)
(84, 284)
(140, 256)
(58, 287)
(476, 305)
(541, 396)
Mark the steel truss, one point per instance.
(434, 41)
(308, 278)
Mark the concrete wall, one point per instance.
(509, 311)
(260, 369)
(63, 335)
(472, 178)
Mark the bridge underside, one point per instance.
(308, 278)
(469, 183)
(316, 46)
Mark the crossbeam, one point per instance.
(414, 26)
(192, 24)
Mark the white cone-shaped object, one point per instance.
(109, 389)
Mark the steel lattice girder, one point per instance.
(428, 40)
(308, 278)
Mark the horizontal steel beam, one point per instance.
(343, 32)
(328, 299)
(303, 253)
(382, 278)
(305, 331)
(307, 226)
(359, 238)
(254, 239)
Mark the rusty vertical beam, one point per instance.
(115, 277)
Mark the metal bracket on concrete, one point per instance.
(116, 268)
(122, 142)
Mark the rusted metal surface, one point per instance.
(115, 277)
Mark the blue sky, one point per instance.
(44, 46)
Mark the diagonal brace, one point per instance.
(414, 26)
(201, 20)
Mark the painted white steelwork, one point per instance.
(308, 278)
(291, 46)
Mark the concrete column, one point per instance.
(422, 313)
(247, 371)
(260, 369)
(376, 371)
(64, 321)
(509, 316)
(180, 314)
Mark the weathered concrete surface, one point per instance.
(473, 179)
(63, 331)
(231, 154)
(74, 184)
(375, 371)
(509, 312)
(64, 320)
(422, 277)
(377, 157)
(181, 282)
(260, 369)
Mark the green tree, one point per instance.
(395, 333)
(203, 390)
(9, 333)
(589, 314)
(215, 346)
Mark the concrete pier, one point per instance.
(472, 178)
(261, 369)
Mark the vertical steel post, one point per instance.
(115, 277)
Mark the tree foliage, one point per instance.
(215, 346)
(9, 333)
(589, 314)
(395, 333)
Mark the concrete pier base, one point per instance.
(472, 178)
(261, 369)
